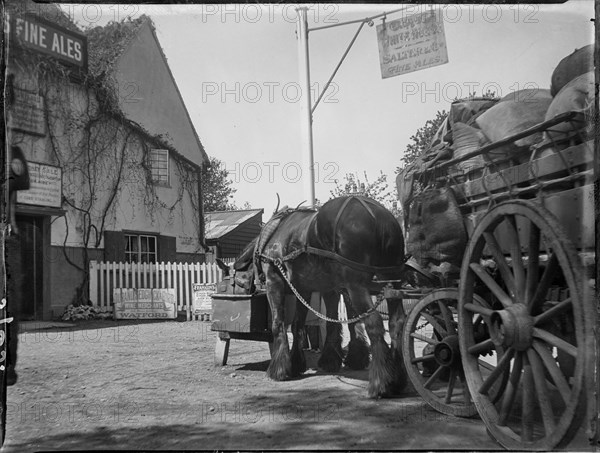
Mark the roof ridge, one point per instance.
(235, 210)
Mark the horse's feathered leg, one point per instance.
(357, 357)
(397, 319)
(280, 367)
(383, 371)
(331, 358)
(299, 332)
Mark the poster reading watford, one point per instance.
(412, 43)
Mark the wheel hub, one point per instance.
(512, 327)
(446, 352)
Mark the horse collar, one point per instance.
(362, 201)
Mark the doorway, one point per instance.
(32, 256)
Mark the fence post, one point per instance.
(93, 289)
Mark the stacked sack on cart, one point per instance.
(434, 225)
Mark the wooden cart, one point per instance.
(240, 316)
(511, 337)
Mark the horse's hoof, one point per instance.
(377, 393)
(330, 361)
(298, 364)
(358, 355)
(277, 375)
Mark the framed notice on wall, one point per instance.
(45, 186)
(26, 112)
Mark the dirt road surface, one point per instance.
(153, 385)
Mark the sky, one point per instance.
(237, 68)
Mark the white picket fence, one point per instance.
(105, 276)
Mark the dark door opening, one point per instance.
(30, 232)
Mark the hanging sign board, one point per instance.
(45, 186)
(131, 303)
(412, 43)
(202, 302)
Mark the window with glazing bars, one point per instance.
(159, 166)
(140, 248)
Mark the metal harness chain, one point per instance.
(279, 265)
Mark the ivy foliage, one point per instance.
(421, 140)
(107, 43)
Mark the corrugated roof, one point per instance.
(219, 223)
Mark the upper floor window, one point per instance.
(140, 248)
(159, 166)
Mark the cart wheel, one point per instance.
(527, 392)
(222, 349)
(431, 354)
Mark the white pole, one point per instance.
(306, 105)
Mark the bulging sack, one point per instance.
(436, 232)
(571, 67)
(575, 96)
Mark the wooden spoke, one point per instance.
(479, 309)
(434, 377)
(516, 256)
(552, 312)
(511, 389)
(555, 341)
(503, 266)
(420, 337)
(435, 324)
(557, 376)
(465, 389)
(541, 391)
(438, 314)
(527, 409)
(448, 318)
(503, 365)
(533, 262)
(542, 288)
(484, 346)
(487, 279)
(424, 358)
(451, 383)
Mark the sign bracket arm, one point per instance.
(338, 66)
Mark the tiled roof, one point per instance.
(219, 223)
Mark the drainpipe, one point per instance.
(201, 210)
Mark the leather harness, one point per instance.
(270, 228)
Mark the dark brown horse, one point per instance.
(337, 249)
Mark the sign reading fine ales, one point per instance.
(131, 303)
(202, 296)
(412, 43)
(40, 35)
